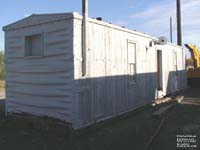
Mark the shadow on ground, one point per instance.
(129, 132)
(182, 120)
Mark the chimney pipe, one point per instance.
(84, 35)
(179, 32)
(171, 32)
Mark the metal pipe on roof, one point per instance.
(179, 30)
(84, 36)
(171, 32)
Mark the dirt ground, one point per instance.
(130, 132)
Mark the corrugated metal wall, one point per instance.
(106, 91)
(41, 85)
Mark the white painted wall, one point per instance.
(40, 85)
(105, 91)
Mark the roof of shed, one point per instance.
(36, 19)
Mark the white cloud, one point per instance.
(121, 22)
(155, 20)
(27, 15)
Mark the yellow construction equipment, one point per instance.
(193, 75)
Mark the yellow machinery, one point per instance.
(193, 75)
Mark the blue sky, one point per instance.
(151, 17)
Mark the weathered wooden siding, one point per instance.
(41, 85)
(53, 85)
(172, 81)
(105, 91)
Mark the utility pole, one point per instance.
(171, 32)
(179, 32)
(84, 36)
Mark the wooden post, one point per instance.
(179, 32)
(84, 36)
(171, 32)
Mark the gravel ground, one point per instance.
(182, 120)
(130, 132)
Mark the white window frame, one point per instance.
(175, 62)
(132, 74)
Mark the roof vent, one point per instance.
(99, 18)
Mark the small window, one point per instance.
(33, 45)
(132, 62)
(132, 73)
(175, 64)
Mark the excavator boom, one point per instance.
(193, 75)
(195, 55)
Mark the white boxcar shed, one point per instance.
(125, 69)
